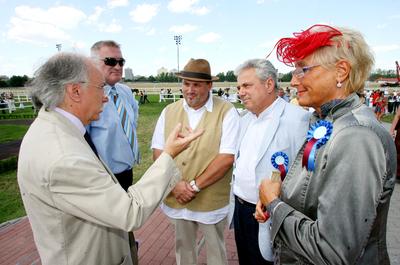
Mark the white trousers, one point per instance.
(185, 242)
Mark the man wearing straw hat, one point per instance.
(200, 200)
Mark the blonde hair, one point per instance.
(352, 48)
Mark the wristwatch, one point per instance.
(192, 183)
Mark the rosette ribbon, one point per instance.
(317, 136)
(280, 161)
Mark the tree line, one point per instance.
(229, 76)
(14, 81)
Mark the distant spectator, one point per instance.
(220, 92)
(226, 94)
(380, 106)
(141, 99)
(162, 95)
(145, 97)
(391, 102)
(3, 104)
(282, 94)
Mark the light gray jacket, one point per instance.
(286, 133)
(338, 213)
(78, 212)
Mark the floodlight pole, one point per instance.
(178, 39)
(58, 46)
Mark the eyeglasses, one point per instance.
(299, 72)
(101, 86)
(110, 61)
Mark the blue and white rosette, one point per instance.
(280, 161)
(317, 136)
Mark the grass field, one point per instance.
(12, 132)
(11, 206)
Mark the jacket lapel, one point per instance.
(270, 134)
(67, 126)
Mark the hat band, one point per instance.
(196, 75)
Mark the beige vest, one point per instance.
(194, 160)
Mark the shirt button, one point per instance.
(183, 163)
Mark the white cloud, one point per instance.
(259, 2)
(97, 13)
(39, 26)
(144, 13)
(386, 48)
(209, 37)
(61, 16)
(113, 27)
(381, 26)
(79, 45)
(117, 3)
(151, 32)
(182, 29)
(200, 11)
(147, 30)
(182, 6)
(34, 32)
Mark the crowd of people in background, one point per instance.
(382, 101)
(7, 102)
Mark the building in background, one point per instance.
(128, 74)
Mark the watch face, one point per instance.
(194, 186)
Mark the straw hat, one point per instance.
(197, 70)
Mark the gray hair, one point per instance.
(48, 86)
(264, 69)
(94, 50)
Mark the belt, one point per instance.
(245, 203)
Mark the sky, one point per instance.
(225, 32)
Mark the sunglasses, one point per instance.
(113, 61)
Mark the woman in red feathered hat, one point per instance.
(332, 206)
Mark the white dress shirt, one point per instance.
(72, 118)
(245, 185)
(230, 129)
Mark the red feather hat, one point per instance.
(291, 50)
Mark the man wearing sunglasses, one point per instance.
(114, 134)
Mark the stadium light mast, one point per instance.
(58, 46)
(177, 39)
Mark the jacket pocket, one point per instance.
(127, 260)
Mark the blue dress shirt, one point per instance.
(108, 135)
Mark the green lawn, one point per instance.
(148, 115)
(11, 204)
(12, 132)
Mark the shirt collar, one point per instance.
(208, 106)
(108, 89)
(72, 118)
(268, 112)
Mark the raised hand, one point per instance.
(177, 141)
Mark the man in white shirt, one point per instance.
(201, 199)
(271, 125)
